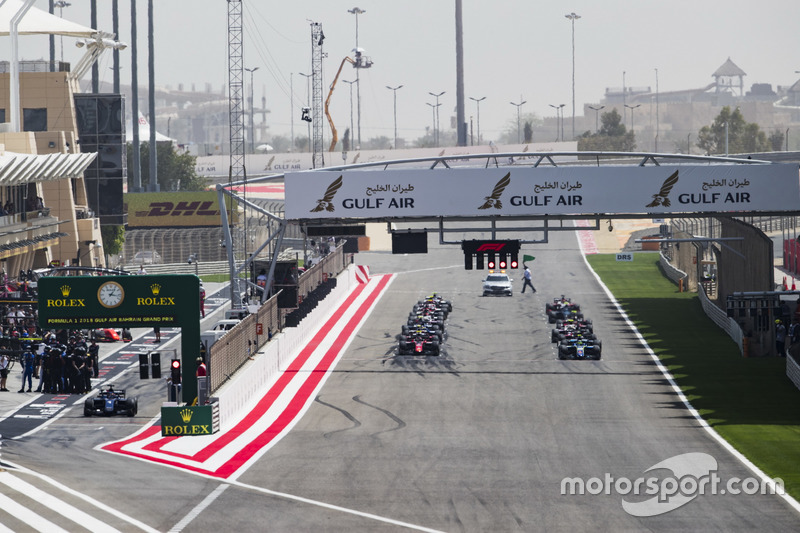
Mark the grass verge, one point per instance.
(749, 401)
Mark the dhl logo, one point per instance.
(491, 247)
(187, 209)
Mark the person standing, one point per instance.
(27, 370)
(780, 338)
(4, 368)
(202, 301)
(527, 277)
(157, 331)
(93, 352)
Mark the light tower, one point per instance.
(316, 100)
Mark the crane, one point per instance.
(334, 134)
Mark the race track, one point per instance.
(478, 439)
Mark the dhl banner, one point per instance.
(568, 190)
(176, 209)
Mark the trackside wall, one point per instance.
(243, 389)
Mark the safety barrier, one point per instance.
(201, 268)
(791, 255)
(717, 315)
(670, 271)
(235, 348)
(793, 370)
(248, 386)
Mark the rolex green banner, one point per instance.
(189, 420)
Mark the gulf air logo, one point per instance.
(494, 199)
(326, 202)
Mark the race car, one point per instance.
(425, 319)
(562, 309)
(418, 344)
(572, 328)
(580, 349)
(105, 334)
(110, 402)
(423, 329)
(436, 303)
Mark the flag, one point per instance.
(526, 258)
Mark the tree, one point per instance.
(776, 140)
(612, 136)
(730, 131)
(510, 134)
(113, 239)
(527, 132)
(176, 171)
(346, 140)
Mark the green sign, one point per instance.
(89, 302)
(189, 420)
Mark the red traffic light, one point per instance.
(502, 264)
(514, 264)
(490, 265)
(175, 371)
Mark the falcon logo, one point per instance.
(494, 199)
(327, 201)
(662, 198)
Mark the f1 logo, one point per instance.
(491, 247)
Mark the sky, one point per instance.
(514, 51)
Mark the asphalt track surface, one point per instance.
(478, 439)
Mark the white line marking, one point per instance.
(28, 517)
(84, 497)
(54, 504)
(373, 274)
(194, 513)
(700, 420)
(334, 507)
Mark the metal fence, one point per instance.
(235, 348)
(229, 353)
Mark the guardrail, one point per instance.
(202, 268)
(717, 315)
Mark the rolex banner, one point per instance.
(190, 420)
(542, 191)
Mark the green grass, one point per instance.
(749, 401)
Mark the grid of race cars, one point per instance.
(574, 333)
(424, 331)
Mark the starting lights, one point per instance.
(175, 371)
(493, 254)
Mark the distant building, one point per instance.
(42, 172)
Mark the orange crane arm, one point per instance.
(334, 134)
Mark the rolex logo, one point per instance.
(186, 415)
(155, 288)
(65, 290)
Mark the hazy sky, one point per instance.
(514, 50)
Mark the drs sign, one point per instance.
(625, 257)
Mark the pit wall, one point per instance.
(247, 386)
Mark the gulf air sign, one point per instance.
(174, 209)
(523, 191)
